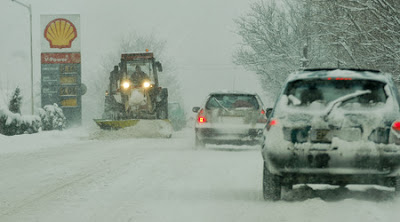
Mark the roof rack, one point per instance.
(351, 69)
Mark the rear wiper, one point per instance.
(337, 102)
(219, 103)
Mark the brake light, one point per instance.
(202, 119)
(396, 126)
(273, 122)
(262, 118)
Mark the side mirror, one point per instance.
(159, 66)
(196, 109)
(268, 112)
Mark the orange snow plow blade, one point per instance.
(115, 124)
(140, 128)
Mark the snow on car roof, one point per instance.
(339, 73)
(232, 92)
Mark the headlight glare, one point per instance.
(146, 84)
(126, 84)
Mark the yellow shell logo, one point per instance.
(60, 33)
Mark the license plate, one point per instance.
(232, 120)
(321, 135)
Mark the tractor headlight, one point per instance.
(146, 84)
(126, 84)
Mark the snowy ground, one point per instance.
(74, 175)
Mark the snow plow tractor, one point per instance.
(134, 95)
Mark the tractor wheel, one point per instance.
(397, 186)
(162, 111)
(162, 106)
(271, 185)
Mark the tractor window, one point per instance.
(144, 67)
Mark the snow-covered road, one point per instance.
(76, 176)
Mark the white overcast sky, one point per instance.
(199, 33)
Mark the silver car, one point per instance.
(333, 126)
(230, 118)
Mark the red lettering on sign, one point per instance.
(61, 58)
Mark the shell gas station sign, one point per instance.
(60, 33)
(61, 64)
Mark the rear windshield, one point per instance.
(305, 92)
(232, 101)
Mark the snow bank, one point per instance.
(143, 129)
(27, 143)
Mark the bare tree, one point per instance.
(318, 33)
(274, 41)
(359, 33)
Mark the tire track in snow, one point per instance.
(96, 173)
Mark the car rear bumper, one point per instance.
(345, 159)
(238, 136)
(337, 179)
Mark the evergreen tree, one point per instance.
(16, 101)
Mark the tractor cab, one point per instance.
(132, 72)
(136, 65)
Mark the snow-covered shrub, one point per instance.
(16, 101)
(15, 123)
(11, 120)
(52, 117)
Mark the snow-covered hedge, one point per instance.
(52, 117)
(15, 123)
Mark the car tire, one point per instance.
(199, 143)
(397, 186)
(287, 186)
(272, 185)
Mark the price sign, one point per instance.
(69, 68)
(68, 79)
(69, 102)
(68, 90)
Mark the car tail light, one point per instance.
(380, 135)
(394, 137)
(271, 123)
(262, 118)
(396, 126)
(201, 118)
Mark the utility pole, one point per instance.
(30, 20)
(337, 34)
(307, 45)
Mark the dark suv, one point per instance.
(333, 126)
